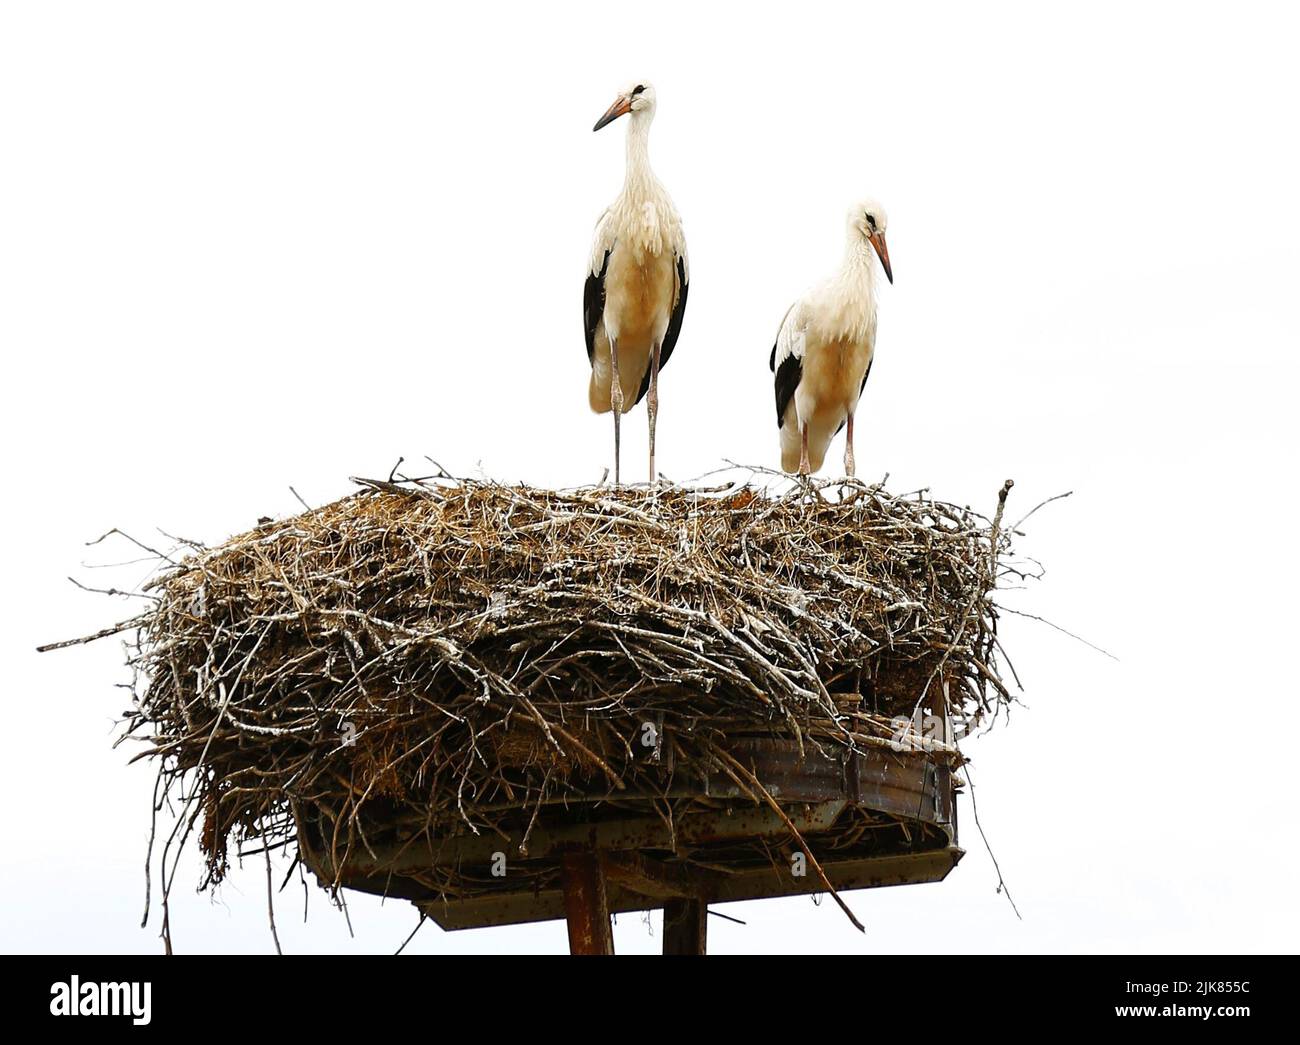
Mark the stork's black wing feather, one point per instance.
(788, 376)
(593, 305)
(674, 328)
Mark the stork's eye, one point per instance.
(638, 89)
(871, 221)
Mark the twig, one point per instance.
(1002, 885)
(418, 924)
(103, 633)
(807, 849)
(1064, 631)
(270, 901)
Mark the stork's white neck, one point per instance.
(639, 179)
(859, 266)
(643, 215)
(847, 303)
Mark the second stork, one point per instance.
(635, 296)
(824, 349)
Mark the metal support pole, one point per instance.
(685, 926)
(585, 905)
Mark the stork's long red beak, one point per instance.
(622, 105)
(878, 241)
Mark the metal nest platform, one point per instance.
(856, 820)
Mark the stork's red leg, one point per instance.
(652, 404)
(804, 467)
(615, 402)
(848, 448)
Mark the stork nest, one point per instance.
(444, 656)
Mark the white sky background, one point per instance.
(249, 245)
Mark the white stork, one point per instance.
(635, 295)
(824, 349)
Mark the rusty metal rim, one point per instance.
(548, 904)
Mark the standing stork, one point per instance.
(635, 297)
(824, 349)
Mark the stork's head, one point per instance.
(638, 98)
(868, 220)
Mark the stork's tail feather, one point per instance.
(819, 440)
(630, 376)
(597, 396)
(790, 446)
